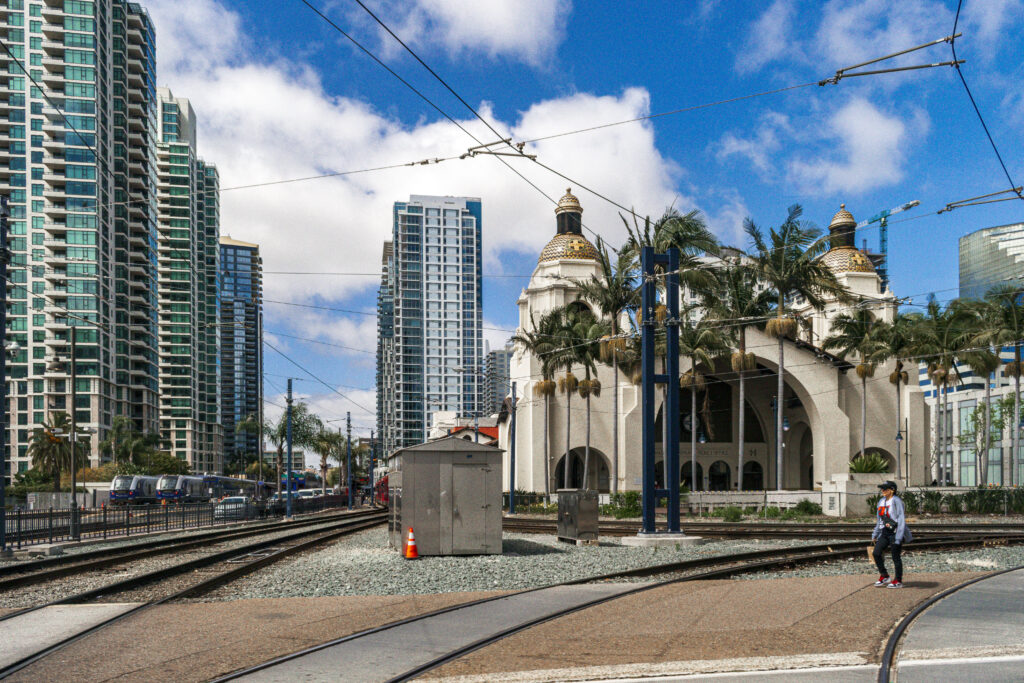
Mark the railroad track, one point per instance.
(190, 579)
(38, 571)
(770, 529)
(379, 653)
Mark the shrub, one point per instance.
(1016, 502)
(954, 503)
(750, 510)
(772, 512)
(806, 507)
(790, 513)
(911, 502)
(729, 513)
(625, 504)
(869, 463)
(872, 502)
(932, 501)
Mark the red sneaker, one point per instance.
(895, 584)
(882, 582)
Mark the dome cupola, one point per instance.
(844, 256)
(568, 242)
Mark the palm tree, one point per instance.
(119, 439)
(325, 444)
(741, 299)
(940, 338)
(700, 343)
(586, 333)
(860, 333)
(305, 427)
(46, 450)
(687, 232)
(1005, 327)
(614, 292)
(899, 344)
(787, 260)
(540, 342)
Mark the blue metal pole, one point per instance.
(348, 455)
(647, 304)
(512, 457)
(671, 412)
(288, 468)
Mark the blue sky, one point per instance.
(279, 94)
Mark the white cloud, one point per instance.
(528, 30)
(726, 220)
(987, 21)
(495, 335)
(769, 38)
(759, 149)
(870, 151)
(339, 224)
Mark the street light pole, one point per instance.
(373, 464)
(73, 437)
(288, 468)
(348, 455)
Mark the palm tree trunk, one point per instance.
(280, 459)
(863, 414)
(742, 436)
(1013, 479)
(547, 449)
(778, 419)
(693, 429)
(567, 465)
(938, 433)
(586, 451)
(323, 473)
(943, 473)
(615, 421)
(983, 458)
(899, 424)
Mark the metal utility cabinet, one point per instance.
(449, 492)
(577, 516)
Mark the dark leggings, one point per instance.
(888, 540)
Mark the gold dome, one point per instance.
(842, 218)
(568, 203)
(847, 260)
(568, 246)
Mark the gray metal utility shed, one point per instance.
(449, 492)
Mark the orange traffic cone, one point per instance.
(410, 547)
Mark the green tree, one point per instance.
(250, 425)
(859, 333)
(305, 427)
(982, 362)
(741, 300)
(584, 344)
(700, 343)
(614, 291)
(47, 450)
(326, 445)
(1004, 326)
(787, 260)
(900, 343)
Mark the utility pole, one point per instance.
(373, 465)
(288, 467)
(512, 457)
(4, 256)
(348, 455)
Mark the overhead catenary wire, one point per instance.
(315, 377)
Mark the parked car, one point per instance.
(309, 493)
(234, 507)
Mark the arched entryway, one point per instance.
(719, 476)
(599, 476)
(890, 460)
(753, 476)
(687, 480)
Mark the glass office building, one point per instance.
(990, 257)
(430, 302)
(241, 345)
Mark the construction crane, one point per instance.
(883, 236)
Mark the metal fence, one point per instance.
(31, 527)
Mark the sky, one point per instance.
(280, 94)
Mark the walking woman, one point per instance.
(890, 532)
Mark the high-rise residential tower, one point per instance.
(496, 377)
(989, 257)
(241, 346)
(78, 150)
(386, 350)
(432, 286)
(188, 254)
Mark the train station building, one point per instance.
(821, 406)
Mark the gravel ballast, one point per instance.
(362, 564)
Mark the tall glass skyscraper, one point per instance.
(496, 377)
(989, 257)
(79, 167)
(241, 345)
(430, 301)
(188, 254)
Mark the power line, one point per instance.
(959, 72)
(301, 367)
(317, 341)
(335, 174)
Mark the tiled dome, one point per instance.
(847, 260)
(568, 246)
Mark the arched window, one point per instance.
(753, 476)
(719, 476)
